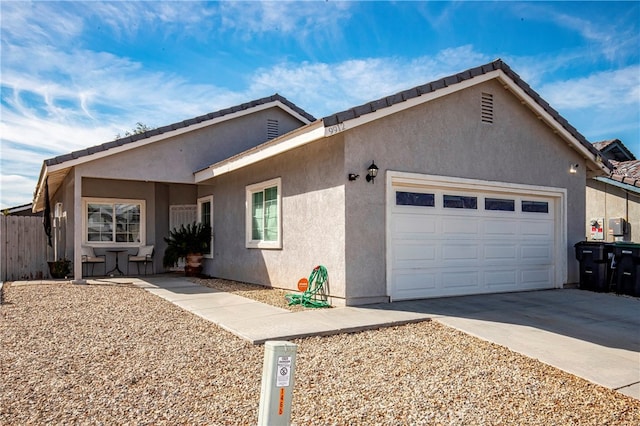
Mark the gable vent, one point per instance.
(272, 129)
(486, 108)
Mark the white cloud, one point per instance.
(301, 19)
(324, 88)
(602, 90)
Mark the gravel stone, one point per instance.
(114, 354)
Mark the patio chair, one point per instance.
(90, 258)
(144, 256)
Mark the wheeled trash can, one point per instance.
(595, 271)
(627, 266)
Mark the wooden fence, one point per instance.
(23, 248)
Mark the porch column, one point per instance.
(77, 230)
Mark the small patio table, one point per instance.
(117, 267)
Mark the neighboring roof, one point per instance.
(179, 125)
(627, 172)
(359, 115)
(23, 210)
(57, 168)
(614, 149)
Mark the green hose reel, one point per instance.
(311, 296)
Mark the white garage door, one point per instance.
(448, 239)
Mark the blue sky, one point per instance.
(75, 74)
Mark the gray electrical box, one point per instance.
(617, 226)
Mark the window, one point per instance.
(112, 222)
(535, 206)
(205, 215)
(499, 204)
(414, 199)
(263, 226)
(460, 202)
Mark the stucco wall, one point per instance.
(313, 226)
(608, 201)
(446, 137)
(177, 158)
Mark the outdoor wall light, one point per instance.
(574, 169)
(372, 172)
(353, 176)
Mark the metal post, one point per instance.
(277, 383)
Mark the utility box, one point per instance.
(617, 226)
(597, 229)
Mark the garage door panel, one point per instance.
(537, 229)
(459, 226)
(459, 252)
(500, 227)
(414, 226)
(460, 279)
(501, 252)
(414, 282)
(499, 279)
(411, 256)
(536, 277)
(438, 251)
(536, 254)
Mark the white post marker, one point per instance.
(277, 383)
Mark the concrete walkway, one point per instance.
(258, 322)
(591, 335)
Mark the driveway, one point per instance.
(595, 336)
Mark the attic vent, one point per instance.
(272, 129)
(486, 108)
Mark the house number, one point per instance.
(336, 128)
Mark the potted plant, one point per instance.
(187, 242)
(60, 268)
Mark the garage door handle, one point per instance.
(626, 273)
(588, 272)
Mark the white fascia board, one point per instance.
(260, 153)
(409, 103)
(552, 122)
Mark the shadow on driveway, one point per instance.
(604, 319)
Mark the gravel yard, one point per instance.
(114, 354)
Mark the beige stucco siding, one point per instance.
(313, 223)
(176, 159)
(608, 202)
(446, 137)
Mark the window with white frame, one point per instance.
(205, 215)
(113, 222)
(263, 215)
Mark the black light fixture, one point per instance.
(353, 176)
(573, 169)
(372, 172)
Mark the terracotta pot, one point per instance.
(193, 267)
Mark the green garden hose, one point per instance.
(311, 297)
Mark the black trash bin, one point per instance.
(627, 257)
(595, 271)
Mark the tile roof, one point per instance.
(614, 149)
(179, 125)
(626, 172)
(417, 91)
